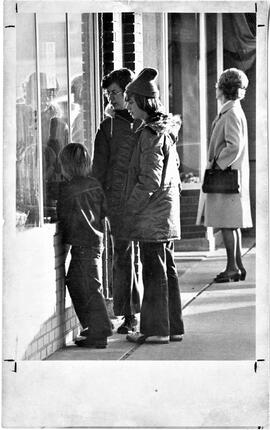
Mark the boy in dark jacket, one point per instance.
(114, 144)
(81, 209)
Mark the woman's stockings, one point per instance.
(230, 240)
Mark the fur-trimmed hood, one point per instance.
(169, 124)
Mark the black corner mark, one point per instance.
(16, 7)
(256, 365)
(15, 364)
(9, 26)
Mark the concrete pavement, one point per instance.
(219, 318)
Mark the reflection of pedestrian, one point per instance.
(229, 147)
(152, 212)
(77, 122)
(26, 166)
(80, 210)
(114, 144)
(54, 134)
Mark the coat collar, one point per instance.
(228, 105)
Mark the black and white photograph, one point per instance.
(135, 207)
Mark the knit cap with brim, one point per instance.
(144, 84)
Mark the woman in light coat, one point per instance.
(229, 147)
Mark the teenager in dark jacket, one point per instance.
(114, 144)
(152, 211)
(81, 209)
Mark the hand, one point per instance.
(216, 166)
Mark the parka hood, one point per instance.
(170, 124)
(112, 114)
(124, 114)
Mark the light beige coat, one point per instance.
(229, 146)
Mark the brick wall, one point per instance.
(106, 43)
(188, 215)
(37, 316)
(52, 335)
(64, 322)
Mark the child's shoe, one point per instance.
(92, 343)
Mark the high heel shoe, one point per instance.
(228, 277)
(243, 274)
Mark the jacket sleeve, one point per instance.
(101, 155)
(233, 135)
(150, 172)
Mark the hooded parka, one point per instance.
(152, 210)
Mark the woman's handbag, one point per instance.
(221, 181)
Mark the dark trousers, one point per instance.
(126, 298)
(84, 283)
(161, 313)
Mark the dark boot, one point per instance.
(129, 325)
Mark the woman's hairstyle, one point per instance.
(151, 105)
(77, 88)
(233, 83)
(121, 77)
(75, 160)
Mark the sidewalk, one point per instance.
(219, 318)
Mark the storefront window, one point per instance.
(76, 78)
(85, 78)
(53, 104)
(27, 161)
(58, 101)
(183, 44)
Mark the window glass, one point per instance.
(183, 50)
(239, 35)
(27, 156)
(76, 78)
(84, 77)
(153, 39)
(53, 104)
(211, 40)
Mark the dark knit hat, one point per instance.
(144, 84)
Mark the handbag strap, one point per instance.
(215, 163)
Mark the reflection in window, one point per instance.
(27, 162)
(84, 78)
(184, 90)
(76, 77)
(54, 104)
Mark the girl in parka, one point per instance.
(152, 211)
